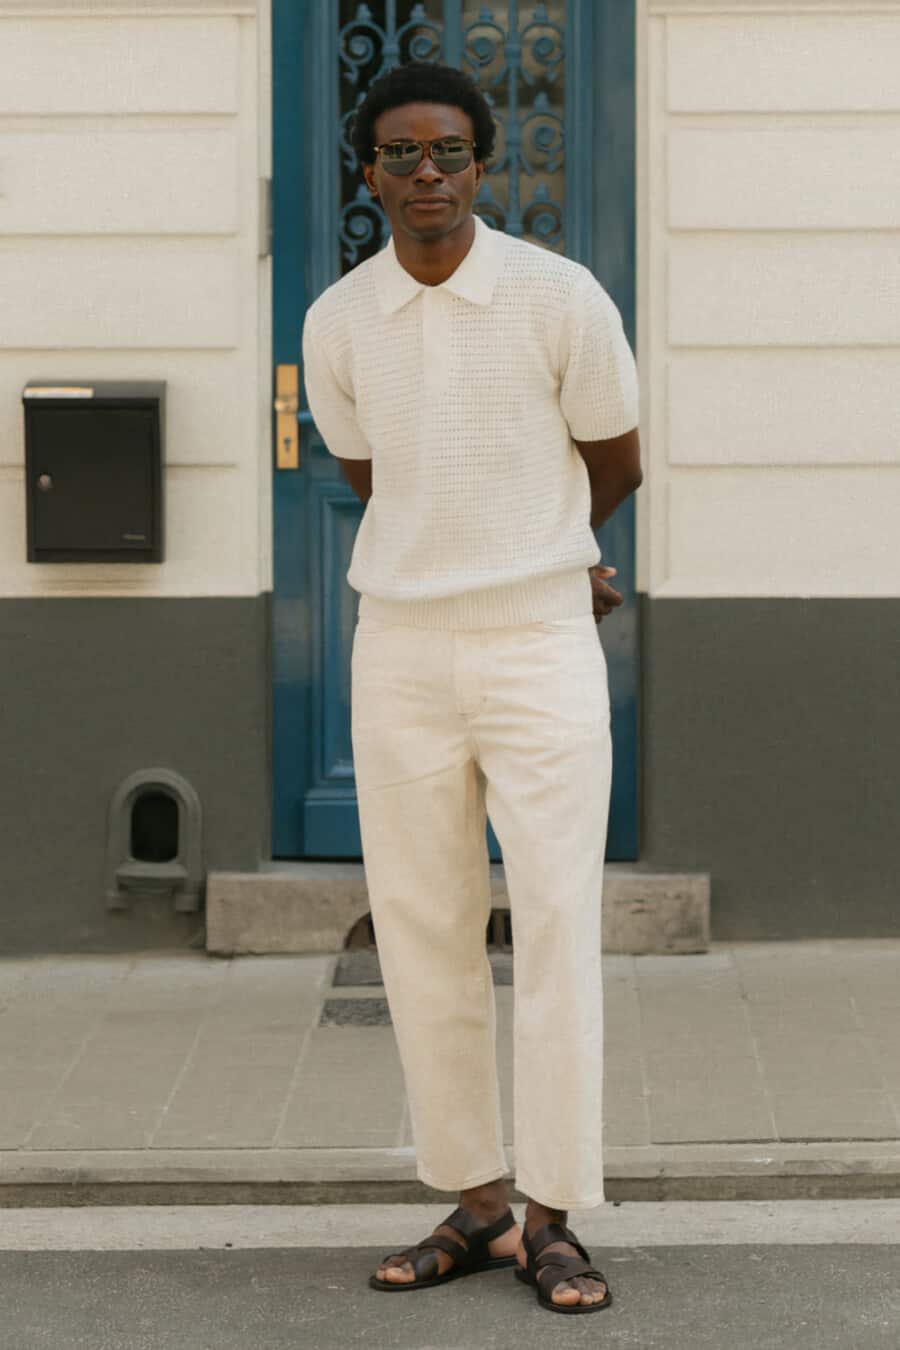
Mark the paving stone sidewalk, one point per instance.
(273, 1069)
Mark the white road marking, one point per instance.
(631, 1224)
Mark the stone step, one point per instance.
(312, 906)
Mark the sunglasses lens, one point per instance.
(455, 157)
(399, 157)
(402, 157)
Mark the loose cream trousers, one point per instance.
(446, 724)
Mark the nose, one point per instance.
(425, 162)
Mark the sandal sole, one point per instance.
(562, 1307)
(455, 1273)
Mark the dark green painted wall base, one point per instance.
(93, 689)
(770, 746)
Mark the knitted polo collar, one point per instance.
(473, 279)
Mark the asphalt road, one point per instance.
(717, 1276)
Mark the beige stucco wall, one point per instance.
(769, 298)
(132, 141)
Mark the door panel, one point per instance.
(560, 128)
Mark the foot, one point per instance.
(581, 1289)
(487, 1203)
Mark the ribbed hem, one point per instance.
(562, 595)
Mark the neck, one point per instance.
(433, 261)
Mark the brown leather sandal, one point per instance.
(467, 1260)
(546, 1269)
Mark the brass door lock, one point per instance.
(287, 405)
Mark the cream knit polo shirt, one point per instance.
(466, 397)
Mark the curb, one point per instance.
(316, 1176)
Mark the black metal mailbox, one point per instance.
(94, 455)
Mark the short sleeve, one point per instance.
(333, 409)
(598, 376)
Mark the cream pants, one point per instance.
(447, 724)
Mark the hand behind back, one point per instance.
(604, 597)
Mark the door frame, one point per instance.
(600, 92)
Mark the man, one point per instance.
(450, 374)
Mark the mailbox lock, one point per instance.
(45, 482)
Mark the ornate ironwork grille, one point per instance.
(516, 55)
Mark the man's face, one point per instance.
(424, 122)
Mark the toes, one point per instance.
(399, 1273)
(564, 1293)
(579, 1291)
(592, 1292)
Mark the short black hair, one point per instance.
(422, 82)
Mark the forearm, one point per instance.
(358, 473)
(608, 491)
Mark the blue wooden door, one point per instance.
(560, 80)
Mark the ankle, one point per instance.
(489, 1200)
(536, 1215)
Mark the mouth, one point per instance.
(428, 203)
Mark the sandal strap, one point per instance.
(478, 1241)
(424, 1263)
(461, 1256)
(463, 1220)
(466, 1223)
(559, 1259)
(551, 1273)
(548, 1233)
(477, 1235)
(421, 1255)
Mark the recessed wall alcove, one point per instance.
(154, 840)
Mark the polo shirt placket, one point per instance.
(437, 348)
